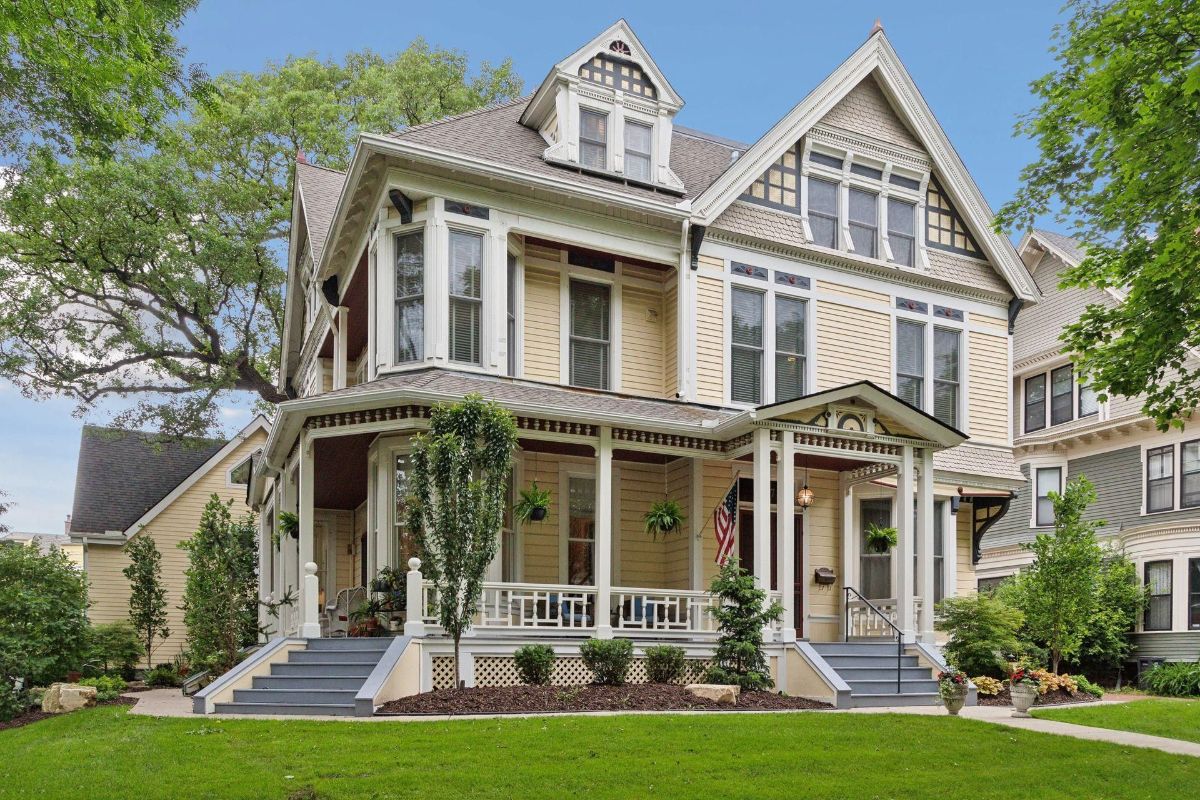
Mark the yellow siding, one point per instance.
(823, 530)
(671, 338)
(642, 558)
(966, 570)
(109, 589)
(541, 539)
(825, 287)
(677, 571)
(989, 387)
(642, 341)
(716, 479)
(541, 344)
(710, 336)
(852, 345)
(1000, 324)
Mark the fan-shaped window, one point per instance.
(944, 227)
(620, 48)
(617, 73)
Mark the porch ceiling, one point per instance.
(340, 471)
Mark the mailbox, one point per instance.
(824, 576)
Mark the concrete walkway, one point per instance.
(171, 703)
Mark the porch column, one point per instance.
(904, 546)
(340, 345)
(849, 577)
(762, 507)
(925, 532)
(310, 626)
(786, 503)
(604, 523)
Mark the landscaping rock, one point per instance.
(720, 693)
(63, 697)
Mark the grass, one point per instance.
(1175, 719)
(106, 753)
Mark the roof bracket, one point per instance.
(696, 237)
(403, 204)
(1014, 307)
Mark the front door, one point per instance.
(746, 557)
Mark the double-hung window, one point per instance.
(637, 150)
(466, 297)
(1189, 474)
(1046, 480)
(1158, 602)
(1089, 404)
(864, 222)
(1194, 594)
(1035, 403)
(902, 230)
(590, 334)
(789, 347)
(1062, 395)
(746, 346)
(510, 325)
(910, 362)
(1160, 479)
(823, 212)
(593, 139)
(946, 348)
(410, 297)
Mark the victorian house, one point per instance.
(814, 325)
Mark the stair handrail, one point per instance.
(882, 616)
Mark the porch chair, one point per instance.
(335, 621)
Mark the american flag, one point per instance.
(725, 523)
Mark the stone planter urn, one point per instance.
(1023, 697)
(953, 696)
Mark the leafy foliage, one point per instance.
(163, 675)
(13, 701)
(987, 686)
(108, 687)
(881, 539)
(663, 518)
(113, 647)
(220, 602)
(43, 614)
(1117, 130)
(535, 663)
(1087, 687)
(1172, 679)
(147, 597)
(741, 616)
(665, 663)
(983, 633)
(1120, 598)
(532, 500)
(460, 473)
(608, 659)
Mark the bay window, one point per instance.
(638, 150)
(410, 297)
(1160, 479)
(1046, 480)
(789, 347)
(1062, 391)
(593, 139)
(910, 362)
(864, 222)
(1158, 603)
(590, 336)
(902, 231)
(466, 297)
(746, 346)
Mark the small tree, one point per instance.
(220, 602)
(113, 647)
(983, 633)
(1120, 598)
(147, 597)
(740, 615)
(1058, 591)
(43, 614)
(460, 474)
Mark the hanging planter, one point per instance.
(289, 524)
(880, 539)
(663, 518)
(533, 505)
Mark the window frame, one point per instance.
(1169, 594)
(894, 233)
(835, 218)
(613, 353)
(1167, 450)
(1184, 474)
(1193, 595)
(648, 155)
(1026, 404)
(923, 328)
(957, 383)
(478, 302)
(1038, 496)
(760, 350)
(851, 223)
(1069, 394)
(775, 299)
(395, 235)
(604, 145)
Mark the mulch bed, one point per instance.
(544, 699)
(37, 715)
(1059, 697)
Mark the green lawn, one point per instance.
(1175, 719)
(105, 753)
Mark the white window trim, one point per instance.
(930, 322)
(566, 471)
(517, 346)
(610, 135)
(229, 483)
(1044, 463)
(487, 281)
(615, 281)
(1101, 414)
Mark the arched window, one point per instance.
(617, 73)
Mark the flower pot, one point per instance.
(538, 514)
(1023, 697)
(953, 697)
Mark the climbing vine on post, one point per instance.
(460, 473)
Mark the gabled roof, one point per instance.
(318, 189)
(874, 58)
(1068, 249)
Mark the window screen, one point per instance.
(822, 212)
(1160, 478)
(1048, 480)
(466, 304)
(410, 297)
(1035, 403)
(910, 362)
(902, 231)
(789, 347)
(1189, 474)
(637, 151)
(1062, 395)
(1158, 604)
(864, 222)
(946, 375)
(593, 139)
(589, 335)
(746, 346)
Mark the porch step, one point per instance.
(285, 709)
(334, 656)
(316, 681)
(852, 648)
(886, 700)
(889, 686)
(852, 674)
(870, 662)
(354, 643)
(320, 697)
(330, 669)
(869, 667)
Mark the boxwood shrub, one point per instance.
(608, 659)
(535, 663)
(664, 663)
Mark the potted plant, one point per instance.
(389, 584)
(289, 524)
(366, 617)
(663, 518)
(1023, 687)
(952, 688)
(533, 505)
(880, 539)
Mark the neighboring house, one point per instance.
(818, 317)
(130, 483)
(1147, 482)
(45, 541)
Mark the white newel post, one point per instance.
(310, 627)
(786, 503)
(414, 623)
(604, 525)
(904, 546)
(762, 513)
(925, 532)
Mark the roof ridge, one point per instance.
(155, 434)
(472, 112)
(341, 172)
(693, 133)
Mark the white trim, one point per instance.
(1053, 462)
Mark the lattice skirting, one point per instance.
(568, 671)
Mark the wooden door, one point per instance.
(745, 555)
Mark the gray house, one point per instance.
(1147, 482)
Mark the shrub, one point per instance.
(534, 663)
(664, 663)
(1087, 687)
(114, 647)
(13, 701)
(741, 616)
(43, 614)
(987, 686)
(1049, 682)
(163, 675)
(1173, 680)
(108, 687)
(608, 659)
(983, 633)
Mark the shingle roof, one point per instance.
(320, 189)
(1069, 245)
(994, 462)
(496, 134)
(123, 474)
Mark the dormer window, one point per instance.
(864, 221)
(638, 150)
(617, 73)
(593, 139)
(822, 212)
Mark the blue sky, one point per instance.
(740, 66)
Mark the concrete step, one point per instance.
(870, 662)
(290, 710)
(351, 682)
(856, 649)
(323, 669)
(303, 697)
(852, 674)
(883, 700)
(355, 643)
(884, 686)
(333, 657)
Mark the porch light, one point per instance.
(804, 497)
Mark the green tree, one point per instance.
(156, 275)
(113, 647)
(1120, 598)
(83, 74)
(220, 595)
(741, 616)
(1117, 130)
(43, 614)
(984, 633)
(1057, 593)
(460, 471)
(147, 597)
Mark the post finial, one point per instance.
(414, 563)
(310, 568)
(877, 27)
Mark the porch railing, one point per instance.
(875, 618)
(877, 613)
